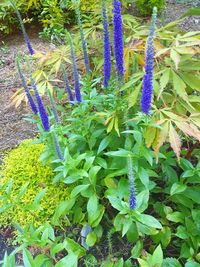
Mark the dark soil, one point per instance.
(6, 234)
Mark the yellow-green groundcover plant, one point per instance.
(27, 194)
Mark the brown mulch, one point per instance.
(13, 127)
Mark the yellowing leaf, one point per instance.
(111, 125)
(175, 57)
(163, 133)
(150, 136)
(116, 126)
(174, 140)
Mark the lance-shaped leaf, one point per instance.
(174, 140)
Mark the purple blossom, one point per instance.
(132, 197)
(41, 108)
(28, 94)
(67, 86)
(147, 87)
(118, 38)
(107, 49)
(84, 45)
(75, 73)
(26, 38)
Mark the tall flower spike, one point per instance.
(28, 94)
(67, 86)
(132, 197)
(107, 49)
(57, 148)
(147, 86)
(84, 45)
(26, 38)
(118, 38)
(75, 72)
(41, 108)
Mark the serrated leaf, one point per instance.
(188, 130)
(179, 86)
(175, 57)
(171, 262)
(164, 80)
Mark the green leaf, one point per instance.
(93, 174)
(88, 163)
(179, 86)
(104, 143)
(71, 260)
(79, 189)
(182, 232)
(144, 177)
(127, 224)
(177, 188)
(92, 205)
(62, 209)
(157, 257)
(142, 200)
(175, 217)
(171, 262)
(137, 250)
(91, 239)
(120, 153)
(143, 263)
(192, 264)
(28, 259)
(192, 12)
(192, 80)
(72, 246)
(149, 221)
(164, 80)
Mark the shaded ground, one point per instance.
(13, 128)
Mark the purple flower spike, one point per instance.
(107, 49)
(75, 72)
(26, 38)
(132, 197)
(42, 111)
(28, 94)
(118, 38)
(67, 86)
(147, 87)
(84, 44)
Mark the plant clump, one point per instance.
(26, 188)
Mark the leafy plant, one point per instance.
(27, 193)
(146, 6)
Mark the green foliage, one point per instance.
(146, 6)
(27, 193)
(53, 14)
(97, 137)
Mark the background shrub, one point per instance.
(146, 6)
(21, 166)
(52, 14)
